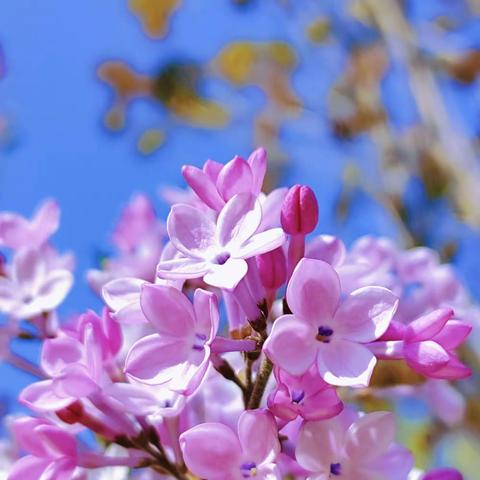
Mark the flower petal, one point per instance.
(211, 450)
(28, 467)
(182, 268)
(207, 320)
(313, 291)
(190, 230)
(370, 436)
(319, 445)
(168, 310)
(59, 352)
(238, 220)
(345, 363)
(365, 314)
(121, 292)
(425, 357)
(39, 396)
(291, 345)
(258, 435)
(235, 177)
(154, 360)
(261, 243)
(227, 275)
(429, 325)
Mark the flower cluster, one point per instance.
(230, 346)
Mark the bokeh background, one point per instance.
(374, 103)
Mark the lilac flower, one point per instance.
(216, 184)
(33, 286)
(217, 251)
(52, 452)
(214, 451)
(430, 342)
(307, 396)
(362, 449)
(179, 354)
(443, 474)
(427, 344)
(17, 232)
(324, 331)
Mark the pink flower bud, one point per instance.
(272, 268)
(299, 211)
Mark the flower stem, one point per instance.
(260, 383)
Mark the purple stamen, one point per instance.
(324, 333)
(199, 341)
(221, 258)
(297, 396)
(248, 468)
(335, 468)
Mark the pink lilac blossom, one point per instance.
(327, 332)
(159, 379)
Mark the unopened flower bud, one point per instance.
(299, 211)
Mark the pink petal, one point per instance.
(395, 464)
(28, 268)
(261, 243)
(60, 469)
(453, 334)
(39, 396)
(182, 268)
(425, 357)
(53, 290)
(370, 436)
(327, 248)
(23, 429)
(75, 381)
(238, 220)
(427, 326)
(235, 177)
(271, 208)
(8, 295)
(212, 169)
(313, 291)
(59, 352)
(443, 474)
(168, 310)
(154, 360)
(258, 165)
(190, 375)
(291, 344)
(258, 435)
(227, 275)
(345, 363)
(319, 445)
(45, 222)
(28, 467)
(56, 442)
(365, 314)
(190, 230)
(322, 405)
(202, 184)
(453, 370)
(211, 450)
(416, 264)
(122, 292)
(206, 313)
(134, 399)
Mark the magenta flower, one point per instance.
(217, 183)
(430, 342)
(443, 474)
(324, 331)
(52, 452)
(214, 451)
(34, 285)
(217, 251)
(18, 232)
(360, 450)
(307, 396)
(179, 354)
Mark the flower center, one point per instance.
(335, 469)
(297, 396)
(221, 258)
(199, 342)
(324, 334)
(248, 469)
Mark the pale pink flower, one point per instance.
(18, 232)
(214, 451)
(360, 450)
(217, 251)
(328, 332)
(33, 286)
(178, 355)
